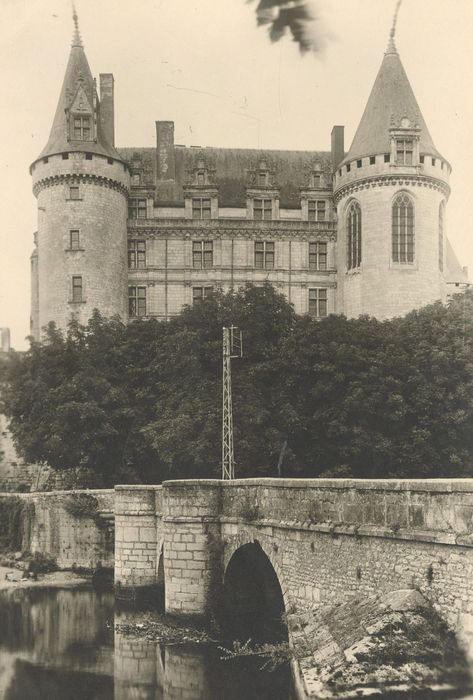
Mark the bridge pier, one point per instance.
(192, 546)
(137, 538)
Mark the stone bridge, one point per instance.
(312, 542)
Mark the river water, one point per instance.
(61, 644)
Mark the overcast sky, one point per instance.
(205, 65)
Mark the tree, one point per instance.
(336, 397)
(297, 17)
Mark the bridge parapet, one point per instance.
(438, 510)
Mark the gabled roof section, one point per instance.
(78, 81)
(391, 99)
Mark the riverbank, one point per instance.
(54, 579)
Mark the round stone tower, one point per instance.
(81, 184)
(391, 190)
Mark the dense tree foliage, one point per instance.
(335, 397)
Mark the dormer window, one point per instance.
(201, 177)
(262, 178)
(81, 127)
(136, 179)
(404, 151)
(315, 180)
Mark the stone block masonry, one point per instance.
(58, 529)
(327, 540)
(138, 535)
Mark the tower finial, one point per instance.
(391, 44)
(76, 40)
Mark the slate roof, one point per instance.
(454, 272)
(77, 72)
(232, 167)
(390, 100)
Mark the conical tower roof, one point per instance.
(78, 85)
(391, 99)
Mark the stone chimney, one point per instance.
(338, 146)
(166, 167)
(107, 107)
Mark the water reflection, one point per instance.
(57, 644)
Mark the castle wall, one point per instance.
(381, 287)
(99, 214)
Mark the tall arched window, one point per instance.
(403, 229)
(441, 234)
(353, 236)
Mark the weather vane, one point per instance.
(76, 41)
(392, 33)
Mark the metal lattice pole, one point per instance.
(228, 463)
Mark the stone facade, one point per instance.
(205, 218)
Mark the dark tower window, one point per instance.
(74, 239)
(202, 255)
(262, 209)
(441, 234)
(74, 192)
(77, 290)
(136, 301)
(403, 229)
(200, 208)
(136, 254)
(264, 255)
(317, 256)
(404, 151)
(353, 236)
(318, 302)
(81, 127)
(316, 210)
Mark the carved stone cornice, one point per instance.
(78, 178)
(244, 229)
(391, 181)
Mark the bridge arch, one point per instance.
(253, 603)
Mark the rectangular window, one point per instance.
(201, 178)
(202, 255)
(74, 192)
(81, 130)
(264, 255)
(136, 179)
(262, 178)
(77, 288)
(317, 256)
(136, 254)
(316, 210)
(200, 293)
(318, 302)
(372, 160)
(262, 209)
(387, 157)
(315, 180)
(404, 151)
(136, 301)
(137, 209)
(200, 208)
(74, 239)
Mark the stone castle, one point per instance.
(141, 232)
